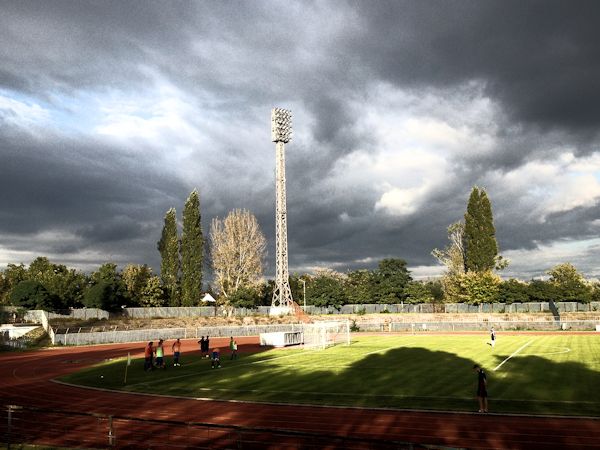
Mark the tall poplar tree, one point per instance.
(480, 235)
(192, 252)
(170, 266)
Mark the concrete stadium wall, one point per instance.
(425, 308)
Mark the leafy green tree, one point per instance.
(481, 248)
(135, 278)
(542, 291)
(113, 291)
(417, 292)
(12, 275)
(66, 284)
(31, 294)
(192, 252)
(246, 297)
(513, 291)
(436, 289)
(103, 295)
(267, 292)
(152, 293)
(390, 280)
(170, 265)
(360, 287)
(570, 284)
(596, 292)
(326, 288)
(479, 287)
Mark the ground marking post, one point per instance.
(513, 354)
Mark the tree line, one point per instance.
(236, 251)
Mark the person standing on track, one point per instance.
(492, 337)
(201, 342)
(176, 347)
(233, 348)
(148, 354)
(160, 354)
(482, 395)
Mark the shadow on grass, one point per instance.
(401, 378)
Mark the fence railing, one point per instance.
(400, 308)
(53, 427)
(85, 336)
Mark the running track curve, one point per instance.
(26, 379)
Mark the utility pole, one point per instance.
(281, 133)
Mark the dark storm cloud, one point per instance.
(89, 201)
(539, 58)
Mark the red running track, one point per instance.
(25, 379)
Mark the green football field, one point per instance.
(527, 373)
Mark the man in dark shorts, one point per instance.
(160, 354)
(201, 342)
(482, 395)
(148, 354)
(176, 347)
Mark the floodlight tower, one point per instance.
(281, 133)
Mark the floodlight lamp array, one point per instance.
(281, 125)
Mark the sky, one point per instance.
(112, 112)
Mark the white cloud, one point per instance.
(22, 114)
(544, 187)
(414, 145)
(535, 262)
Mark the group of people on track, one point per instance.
(154, 356)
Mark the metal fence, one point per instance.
(51, 427)
(87, 336)
(401, 308)
(98, 335)
(484, 325)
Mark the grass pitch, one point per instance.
(527, 373)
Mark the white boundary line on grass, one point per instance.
(388, 348)
(513, 354)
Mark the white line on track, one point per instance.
(513, 354)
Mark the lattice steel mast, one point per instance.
(281, 133)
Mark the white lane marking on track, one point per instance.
(513, 354)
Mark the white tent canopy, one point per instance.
(208, 298)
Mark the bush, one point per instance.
(103, 295)
(30, 294)
(246, 297)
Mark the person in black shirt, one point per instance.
(482, 395)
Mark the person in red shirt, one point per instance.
(148, 354)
